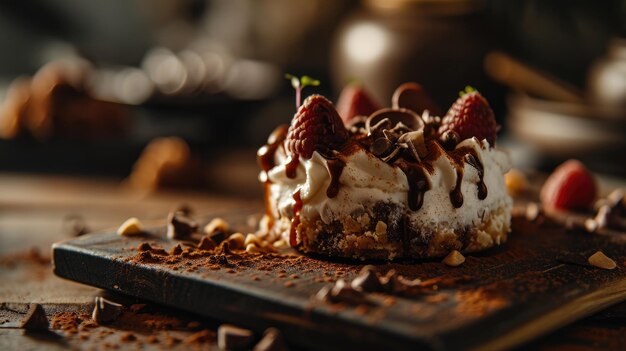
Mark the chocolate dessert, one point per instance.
(397, 183)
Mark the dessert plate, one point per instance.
(539, 281)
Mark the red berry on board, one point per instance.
(316, 126)
(570, 187)
(355, 101)
(471, 116)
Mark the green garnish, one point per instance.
(468, 89)
(301, 83)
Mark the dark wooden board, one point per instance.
(535, 283)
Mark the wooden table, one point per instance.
(32, 212)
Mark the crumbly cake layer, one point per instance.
(383, 234)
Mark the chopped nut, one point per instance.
(600, 260)
(252, 248)
(131, 226)
(381, 227)
(532, 211)
(251, 239)
(267, 246)
(236, 241)
(591, 225)
(350, 225)
(454, 258)
(216, 224)
(279, 244)
(516, 182)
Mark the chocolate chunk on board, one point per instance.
(179, 226)
(272, 341)
(230, 337)
(106, 311)
(35, 319)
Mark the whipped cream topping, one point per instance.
(366, 180)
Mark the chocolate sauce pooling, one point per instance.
(335, 167)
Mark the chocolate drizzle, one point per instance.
(295, 221)
(335, 167)
(473, 160)
(461, 156)
(292, 166)
(418, 184)
(456, 196)
(265, 156)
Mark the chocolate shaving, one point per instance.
(381, 146)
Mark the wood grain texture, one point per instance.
(537, 282)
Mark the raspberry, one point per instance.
(471, 116)
(570, 187)
(316, 126)
(355, 101)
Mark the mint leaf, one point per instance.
(468, 89)
(300, 83)
(308, 81)
(295, 82)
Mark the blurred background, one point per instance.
(179, 94)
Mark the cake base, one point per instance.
(386, 235)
